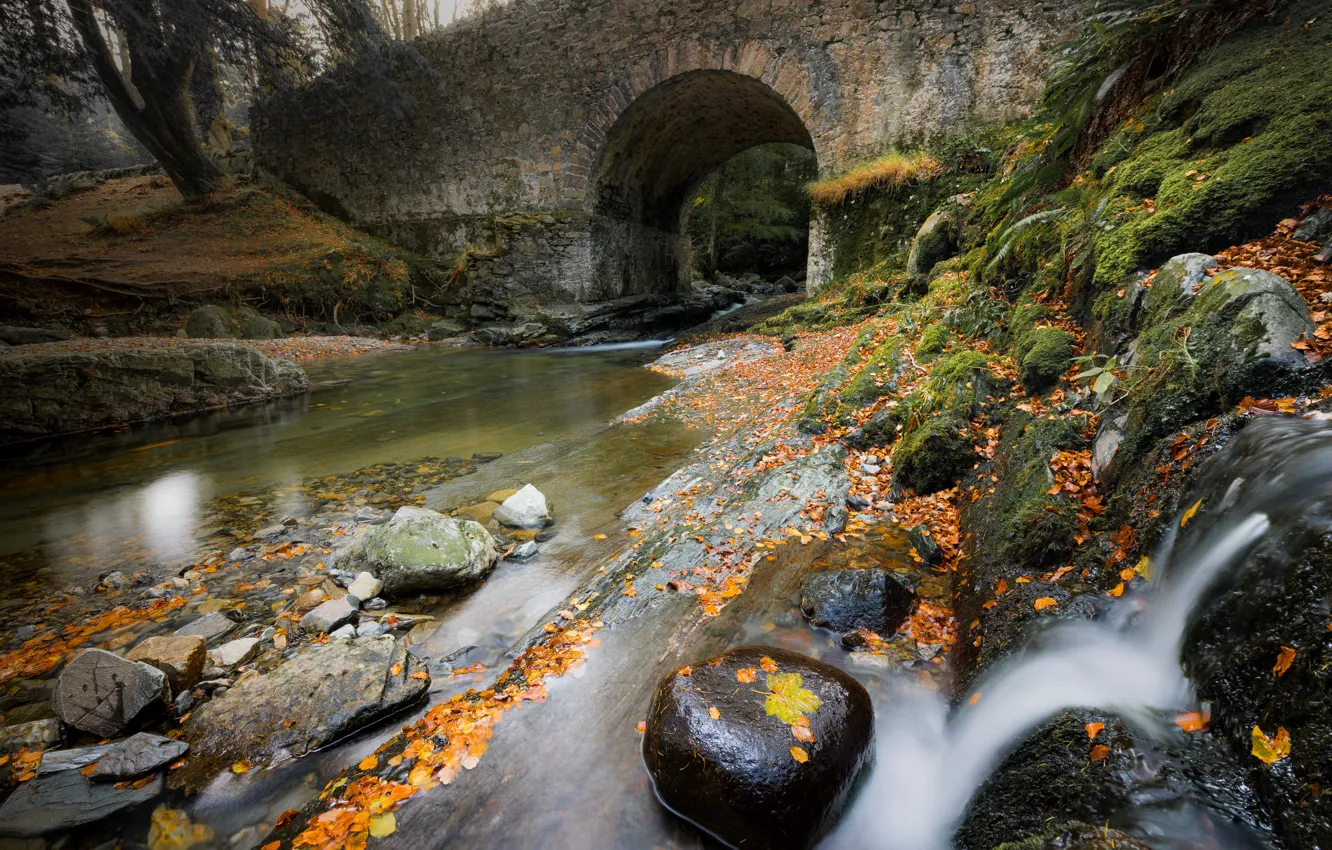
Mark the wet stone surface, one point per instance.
(761, 747)
(843, 600)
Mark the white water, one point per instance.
(929, 764)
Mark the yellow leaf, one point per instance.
(799, 755)
(1284, 659)
(768, 665)
(1144, 568)
(1116, 591)
(1190, 513)
(598, 537)
(1045, 602)
(745, 675)
(382, 826)
(241, 766)
(714, 713)
(1270, 750)
(789, 700)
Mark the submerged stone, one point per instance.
(758, 758)
(845, 600)
(421, 550)
(61, 801)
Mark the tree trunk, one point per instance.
(714, 230)
(409, 19)
(164, 124)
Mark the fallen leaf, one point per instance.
(745, 675)
(1193, 721)
(642, 726)
(1045, 602)
(1270, 750)
(1284, 659)
(975, 698)
(1094, 729)
(714, 713)
(370, 762)
(686, 671)
(799, 755)
(396, 669)
(1100, 752)
(768, 665)
(802, 733)
(1190, 513)
(241, 766)
(598, 537)
(421, 674)
(382, 826)
(789, 699)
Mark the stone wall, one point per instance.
(608, 113)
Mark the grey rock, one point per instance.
(1105, 448)
(210, 322)
(46, 394)
(113, 580)
(234, 653)
(347, 632)
(525, 509)
(1176, 284)
(258, 327)
(328, 692)
(183, 703)
(239, 554)
(210, 627)
(376, 604)
(37, 735)
(77, 758)
(371, 628)
(925, 545)
(62, 801)
(365, 587)
(844, 600)
(525, 551)
(421, 550)
(326, 618)
(102, 693)
(102, 332)
(136, 756)
(1316, 227)
(935, 241)
(443, 329)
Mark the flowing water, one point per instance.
(1268, 488)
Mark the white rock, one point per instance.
(347, 632)
(365, 587)
(525, 509)
(234, 653)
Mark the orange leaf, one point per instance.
(1094, 729)
(1116, 591)
(686, 671)
(1100, 752)
(370, 762)
(975, 698)
(768, 665)
(642, 726)
(396, 669)
(1192, 721)
(1284, 659)
(745, 675)
(714, 713)
(1270, 750)
(1045, 602)
(799, 755)
(241, 766)
(421, 674)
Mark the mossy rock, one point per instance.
(210, 322)
(1077, 836)
(961, 383)
(1232, 148)
(933, 341)
(1233, 340)
(880, 376)
(1047, 354)
(408, 324)
(936, 241)
(934, 455)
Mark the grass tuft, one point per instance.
(891, 170)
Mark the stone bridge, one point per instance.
(553, 143)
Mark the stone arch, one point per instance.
(665, 127)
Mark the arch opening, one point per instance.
(654, 159)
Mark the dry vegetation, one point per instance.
(891, 170)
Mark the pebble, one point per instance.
(524, 552)
(376, 604)
(347, 632)
(239, 554)
(870, 469)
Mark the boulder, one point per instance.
(1175, 285)
(525, 509)
(443, 329)
(524, 551)
(365, 587)
(935, 242)
(180, 657)
(320, 695)
(328, 616)
(137, 756)
(234, 653)
(79, 757)
(1316, 227)
(210, 627)
(44, 394)
(36, 735)
(61, 801)
(515, 334)
(421, 550)
(256, 326)
(934, 455)
(768, 764)
(210, 322)
(845, 600)
(101, 693)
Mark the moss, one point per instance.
(933, 341)
(934, 455)
(1237, 143)
(960, 383)
(879, 377)
(1047, 355)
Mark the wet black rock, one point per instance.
(136, 756)
(764, 763)
(1078, 836)
(844, 600)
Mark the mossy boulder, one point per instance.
(880, 376)
(961, 383)
(1046, 354)
(421, 550)
(936, 241)
(934, 455)
(1234, 339)
(933, 341)
(210, 322)
(255, 326)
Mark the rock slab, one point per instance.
(136, 756)
(101, 693)
(719, 746)
(328, 616)
(320, 695)
(61, 801)
(421, 550)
